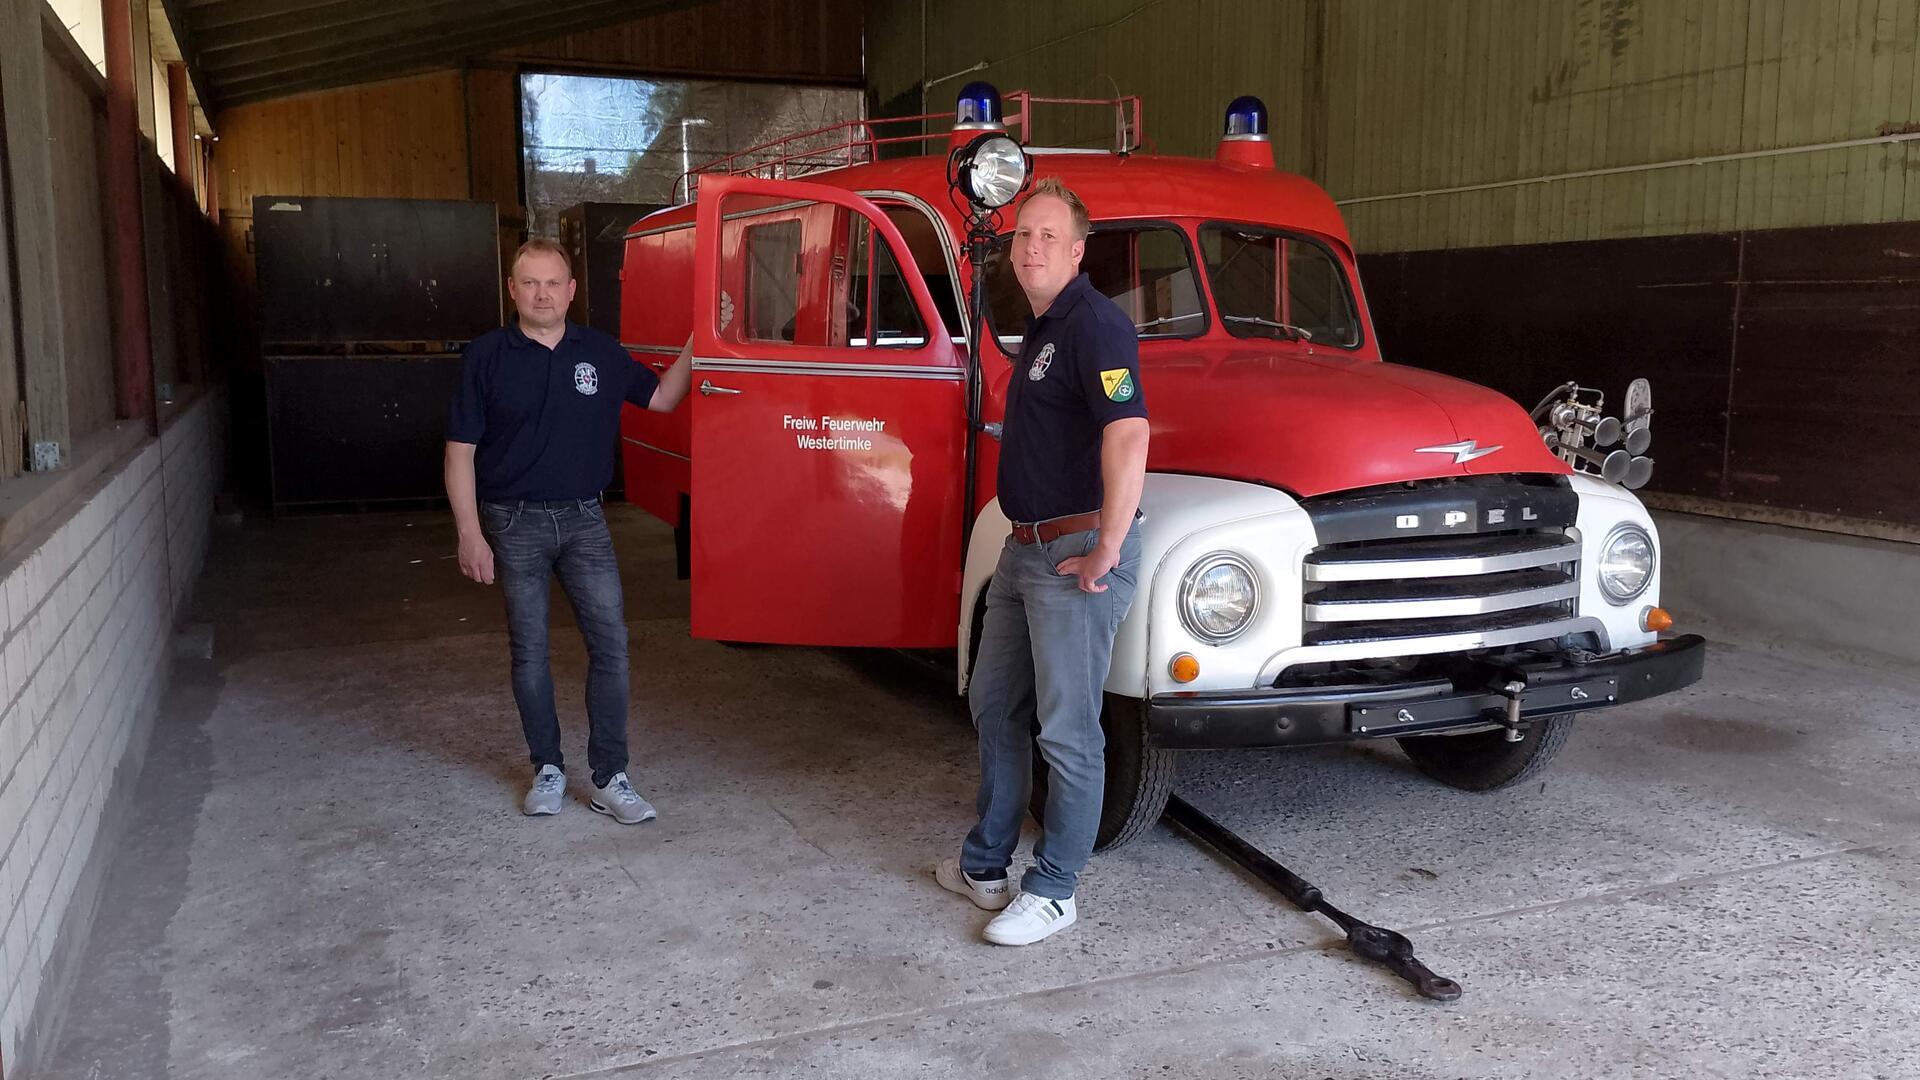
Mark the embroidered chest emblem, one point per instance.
(1041, 363)
(586, 378)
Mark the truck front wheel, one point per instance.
(1485, 760)
(1139, 776)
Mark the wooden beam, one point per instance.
(36, 325)
(183, 36)
(448, 51)
(409, 34)
(126, 215)
(213, 14)
(180, 119)
(330, 18)
(12, 438)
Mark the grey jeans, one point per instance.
(533, 543)
(1043, 658)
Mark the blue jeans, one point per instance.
(1043, 658)
(533, 542)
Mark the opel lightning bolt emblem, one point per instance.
(1462, 452)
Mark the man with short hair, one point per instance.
(530, 445)
(1073, 457)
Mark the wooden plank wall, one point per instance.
(455, 134)
(1186, 58)
(1428, 94)
(1416, 95)
(1781, 359)
(76, 120)
(402, 139)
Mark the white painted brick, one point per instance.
(36, 578)
(39, 827)
(13, 809)
(84, 624)
(13, 882)
(39, 890)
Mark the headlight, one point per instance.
(1626, 563)
(1218, 597)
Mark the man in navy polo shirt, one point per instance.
(1073, 459)
(530, 444)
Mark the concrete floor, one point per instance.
(328, 875)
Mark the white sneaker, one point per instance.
(620, 802)
(986, 895)
(1029, 919)
(549, 788)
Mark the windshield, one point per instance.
(1145, 268)
(1271, 284)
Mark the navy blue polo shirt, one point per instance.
(1079, 370)
(546, 422)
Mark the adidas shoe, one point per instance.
(986, 895)
(1030, 918)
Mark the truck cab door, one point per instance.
(829, 424)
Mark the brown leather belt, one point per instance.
(1044, 531)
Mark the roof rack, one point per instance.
(858, 142)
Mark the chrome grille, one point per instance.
(1481, 578)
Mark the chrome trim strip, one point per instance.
(1454, 566)
(660, 350)
(1425, 646)
(655, 449)
(776, 208)
(735, 216)
(1374, 610)
(803, 367)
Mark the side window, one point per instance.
(879, 309)
(772, 281)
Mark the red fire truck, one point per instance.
(1335, 548)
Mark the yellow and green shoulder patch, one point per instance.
(1118, 383)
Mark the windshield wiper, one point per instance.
(1297, 333)
(1164, 320)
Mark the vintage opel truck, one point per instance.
(1336, 548)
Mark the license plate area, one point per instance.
(1386, 718)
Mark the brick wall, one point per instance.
(87, 608)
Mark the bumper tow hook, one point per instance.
(1511, 721)
(1382, 946)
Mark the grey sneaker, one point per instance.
(549, 787)
(619, 801)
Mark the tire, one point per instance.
(1485, 760)
(1139, 776)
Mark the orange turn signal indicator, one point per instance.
(1655, 620)
(1185, 668)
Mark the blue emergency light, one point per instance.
(1247, 118)
(978, 108)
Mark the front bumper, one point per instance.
(1299, 717)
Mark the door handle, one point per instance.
(707, 389)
